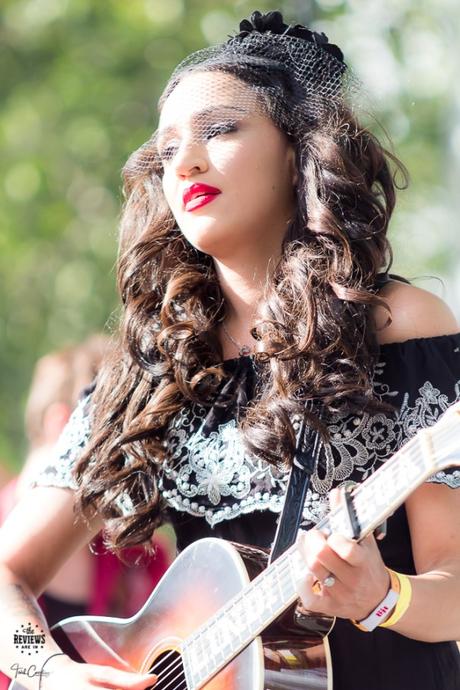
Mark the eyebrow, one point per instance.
(211, 110)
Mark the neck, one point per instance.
(242, 292)
(243, 284)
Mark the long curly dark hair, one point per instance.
(318, 342)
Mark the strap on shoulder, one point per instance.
(382, 279)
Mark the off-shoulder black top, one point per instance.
(212, 487)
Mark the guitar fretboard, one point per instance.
(385, 489)
(213, 645)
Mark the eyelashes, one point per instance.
(218, 129)
(207, 132)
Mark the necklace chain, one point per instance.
(243, 350)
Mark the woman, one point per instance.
(253, 246)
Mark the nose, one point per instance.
(190, 159)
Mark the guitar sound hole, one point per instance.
(169, 668)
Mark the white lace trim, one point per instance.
(67, 450)
(213, 477)
(451, 479)
(204, 473)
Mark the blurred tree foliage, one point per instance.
(80, 79)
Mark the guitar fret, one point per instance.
(223, 635)
(338, 522)
(280, 581)
(269, 593)
(237, 623)
(295, 566)
(196, 658)
(385, 487)
(256, 604)
(233, 621)
(206, 645)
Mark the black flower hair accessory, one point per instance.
(297, 73)
(273, 22)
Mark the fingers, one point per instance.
(336, 498)
(312, 546)
(308, 593)
(322, 556)
(109, 677)
(348, 551)
(354, 570)
(95, 676)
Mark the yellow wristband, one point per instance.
(405, 596)
(395, 587)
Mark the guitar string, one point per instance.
(172, 667)
(176, 687)
(285, 566)
(392, 467)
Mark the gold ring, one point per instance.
(317, 587)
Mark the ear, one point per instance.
(294, 173)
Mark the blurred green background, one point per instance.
(80, 79)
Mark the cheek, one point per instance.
(262, 176)
(242, 168)
(168, 191)
(227, 158)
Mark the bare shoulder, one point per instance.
(415, 313)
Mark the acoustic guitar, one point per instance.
(221, 620)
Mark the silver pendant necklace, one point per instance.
(243, 350)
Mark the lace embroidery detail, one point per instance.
(451, 479)
(68, 449)
(212, 475)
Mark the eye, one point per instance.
(218, 128)
(167, 151)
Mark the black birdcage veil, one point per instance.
(290, 73)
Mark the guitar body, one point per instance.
(200, 582)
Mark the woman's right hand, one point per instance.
(61, 672)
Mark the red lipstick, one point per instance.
(198, 195)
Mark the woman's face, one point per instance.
(229, 172)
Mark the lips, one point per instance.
(198, 195)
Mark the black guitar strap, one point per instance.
(302, 469)
(299, 481)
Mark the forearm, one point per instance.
(434, 611)
(19, 610)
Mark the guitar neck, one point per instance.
(386, 489)
(245, 616)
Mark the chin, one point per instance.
(211, 240)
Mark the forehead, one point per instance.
(201, 92)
